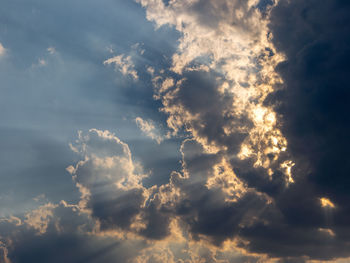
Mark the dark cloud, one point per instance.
(313, 116)
(160, 166)
(314, 100)
(116, 209)
(197, 94)
(204, 208)
(111, 187)
(66, 239)
(313, 109)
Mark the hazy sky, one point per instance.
(180, 131)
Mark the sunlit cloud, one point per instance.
(325, 202)
(240, 97)
(234, 43)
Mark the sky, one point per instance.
(180, 131)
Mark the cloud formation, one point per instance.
(245, 92)
(257, 92)
(60, 233)
(107, 178)
(117, 213)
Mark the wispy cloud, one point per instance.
(2, 50)
(51, 50)
(124, 65)
(149, 129)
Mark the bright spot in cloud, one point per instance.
(325, 202)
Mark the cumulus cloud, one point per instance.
(108, 179)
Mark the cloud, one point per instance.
(74, 91)
(268, 107)
(120, 220)
(230, 54)
(173, 214)
(2, 50)
(257, 92)
(108, 179)
(311, 106)
(315, 76)
(69, 236)
(124, 65)
(203, 213)
(148, 128)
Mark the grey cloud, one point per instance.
(66, 239)
(312, 107)
(311, 104)
(205, 210)
(197, 93)
(111, 186)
